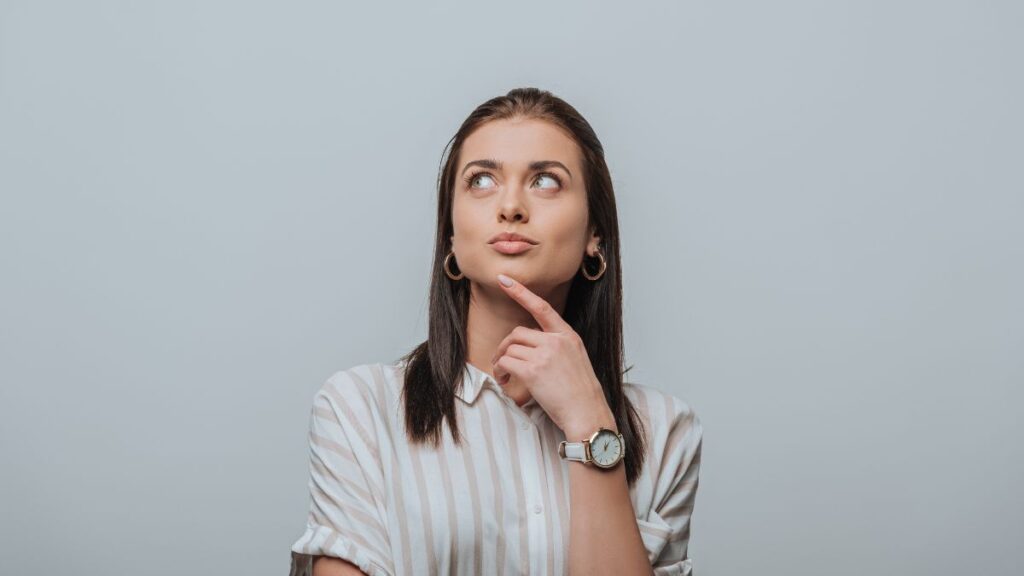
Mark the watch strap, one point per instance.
(572, 451)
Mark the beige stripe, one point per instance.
(496, 480)
(677, 432)
(517, 477)
(332, 446)
(326, 414)
(329, 542)
(652, 465)
(560, 486)
(474, 492)
(364, 388)
(549, 511)
(319, 514)
(421, 485)
(386, 402)
(453, 521)
(353, 421)
(377, 395)
(685, 491)
(684, 505)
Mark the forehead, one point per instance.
(519, 142)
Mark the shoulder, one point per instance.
(361, 388)
(660, 406)
(354, 409)
(670, 418)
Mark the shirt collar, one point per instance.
(473, 382)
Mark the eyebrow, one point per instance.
(535, 165)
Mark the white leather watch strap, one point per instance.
(572, 451)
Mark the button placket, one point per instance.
(529, 433)
(525, 425)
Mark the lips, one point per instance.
(511, 247)
(511, 237)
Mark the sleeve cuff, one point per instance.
(324, 541)
(660, 541)
(682, 568)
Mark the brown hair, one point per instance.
(594, 308)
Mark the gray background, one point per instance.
(209, 207)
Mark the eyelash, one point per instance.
(469, 178)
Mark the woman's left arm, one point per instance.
(604, 536)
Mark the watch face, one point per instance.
(606, 449)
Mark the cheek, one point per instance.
(567, 228)
(469, 224)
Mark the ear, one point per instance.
(593, 243)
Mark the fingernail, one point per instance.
(504, 280)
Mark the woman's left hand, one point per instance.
(553, 365)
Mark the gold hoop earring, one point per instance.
(604, 266)
(447, 271)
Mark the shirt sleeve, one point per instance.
(666, 530)
(347, 515)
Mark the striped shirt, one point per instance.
(497, 505)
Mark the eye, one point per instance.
(550, 176)
(471, 178)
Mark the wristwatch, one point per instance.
(604, 449)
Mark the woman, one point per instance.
(523, 362)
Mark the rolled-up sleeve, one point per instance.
(347, 516)
(668, 523)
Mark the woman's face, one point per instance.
(523, 176)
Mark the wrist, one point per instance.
(587, 423)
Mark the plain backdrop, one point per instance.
(208, 207)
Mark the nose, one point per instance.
(512, 209)
(516, 217)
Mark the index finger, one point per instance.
(547, 317)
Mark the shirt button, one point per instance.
(537, 508)
(525, 426)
